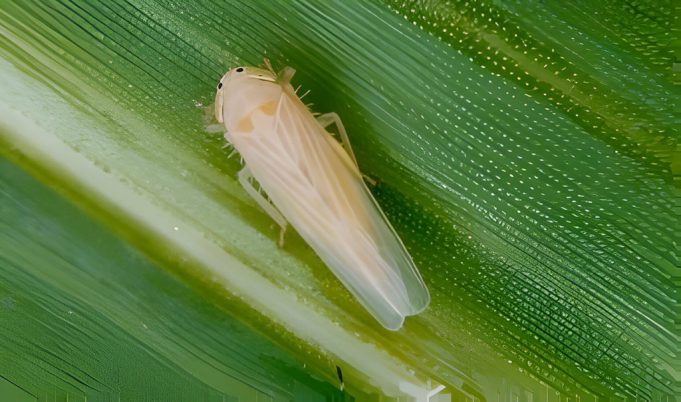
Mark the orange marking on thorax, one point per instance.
(269, 107)
(246, 124)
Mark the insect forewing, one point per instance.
(313, 182)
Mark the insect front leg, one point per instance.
(328, 119)
(245, 177)
(209, 121)
(214, 128)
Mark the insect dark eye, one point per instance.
(240, 69)
(219, 85)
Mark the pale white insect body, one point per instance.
(314, 183)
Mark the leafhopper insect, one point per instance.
(313, 182)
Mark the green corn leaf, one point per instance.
(526, 152)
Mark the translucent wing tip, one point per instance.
(419, 301)
(392, 318)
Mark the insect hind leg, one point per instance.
(327, 119)
(245, 177)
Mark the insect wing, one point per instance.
(313, 182)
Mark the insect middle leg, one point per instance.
(328, 119)
(245, 177)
